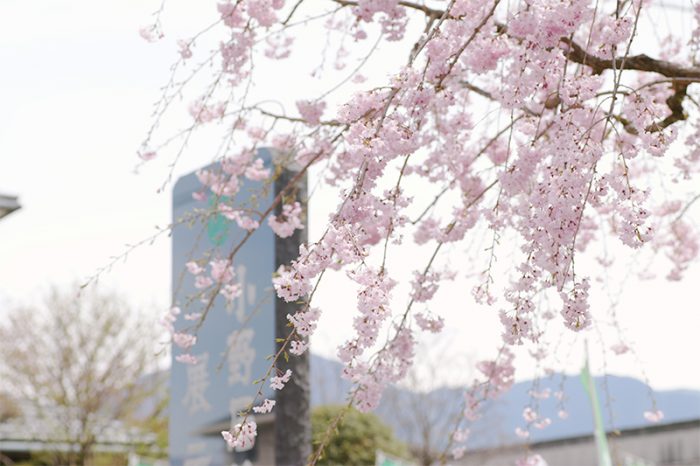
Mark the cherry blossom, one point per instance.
(147, 155)
(221, 270)
(311, 111)
(288, 221)
(186, 358)
(194, 268)
(184, 49)
(277, 383)
(304, 321)
(169, 319)
(531, 460)
(242, 436)
(266, 407)
(151, 33)
(458, 452)
(653, 416)
(620, 348)
(184, 340)
(430, 324)
(529, 414)
(583, 126)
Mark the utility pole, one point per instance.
(292, 410)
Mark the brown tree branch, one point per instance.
(430, 12)
(641, 62)
(578, 54)
(675, 104)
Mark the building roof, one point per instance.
(41, 430)
(8, 204)
(644, 430)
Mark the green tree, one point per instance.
(356, 439)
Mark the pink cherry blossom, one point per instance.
(184, 49)
(202, 282)
(311, 111)
(458, 452)
(654, 416)
(151, 33)
(531, 460)
(298, 347)
(572, 160)
(529, 414)
(257, 171)
(620, 348)
(304, 321)
(430, 324)
(541, 424)
(461, 435)
(186, 358)
(277, 383)
(221, 270)
(242, 436)
(147, 155)
(194, 268)
(184, 340)
(169, 318)
(288, 221)
(266, 407)
(204, 112)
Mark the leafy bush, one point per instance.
(356, 438)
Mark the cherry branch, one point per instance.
(641, 62)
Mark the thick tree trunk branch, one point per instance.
(578, 54)
(427, 11)
(675, 104)
(681, 77)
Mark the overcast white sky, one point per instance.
(76, 89)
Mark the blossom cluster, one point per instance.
(563, 166)
(242, 436)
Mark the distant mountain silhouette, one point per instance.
(623, 401)
(625, 398)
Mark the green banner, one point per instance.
(599, 431)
